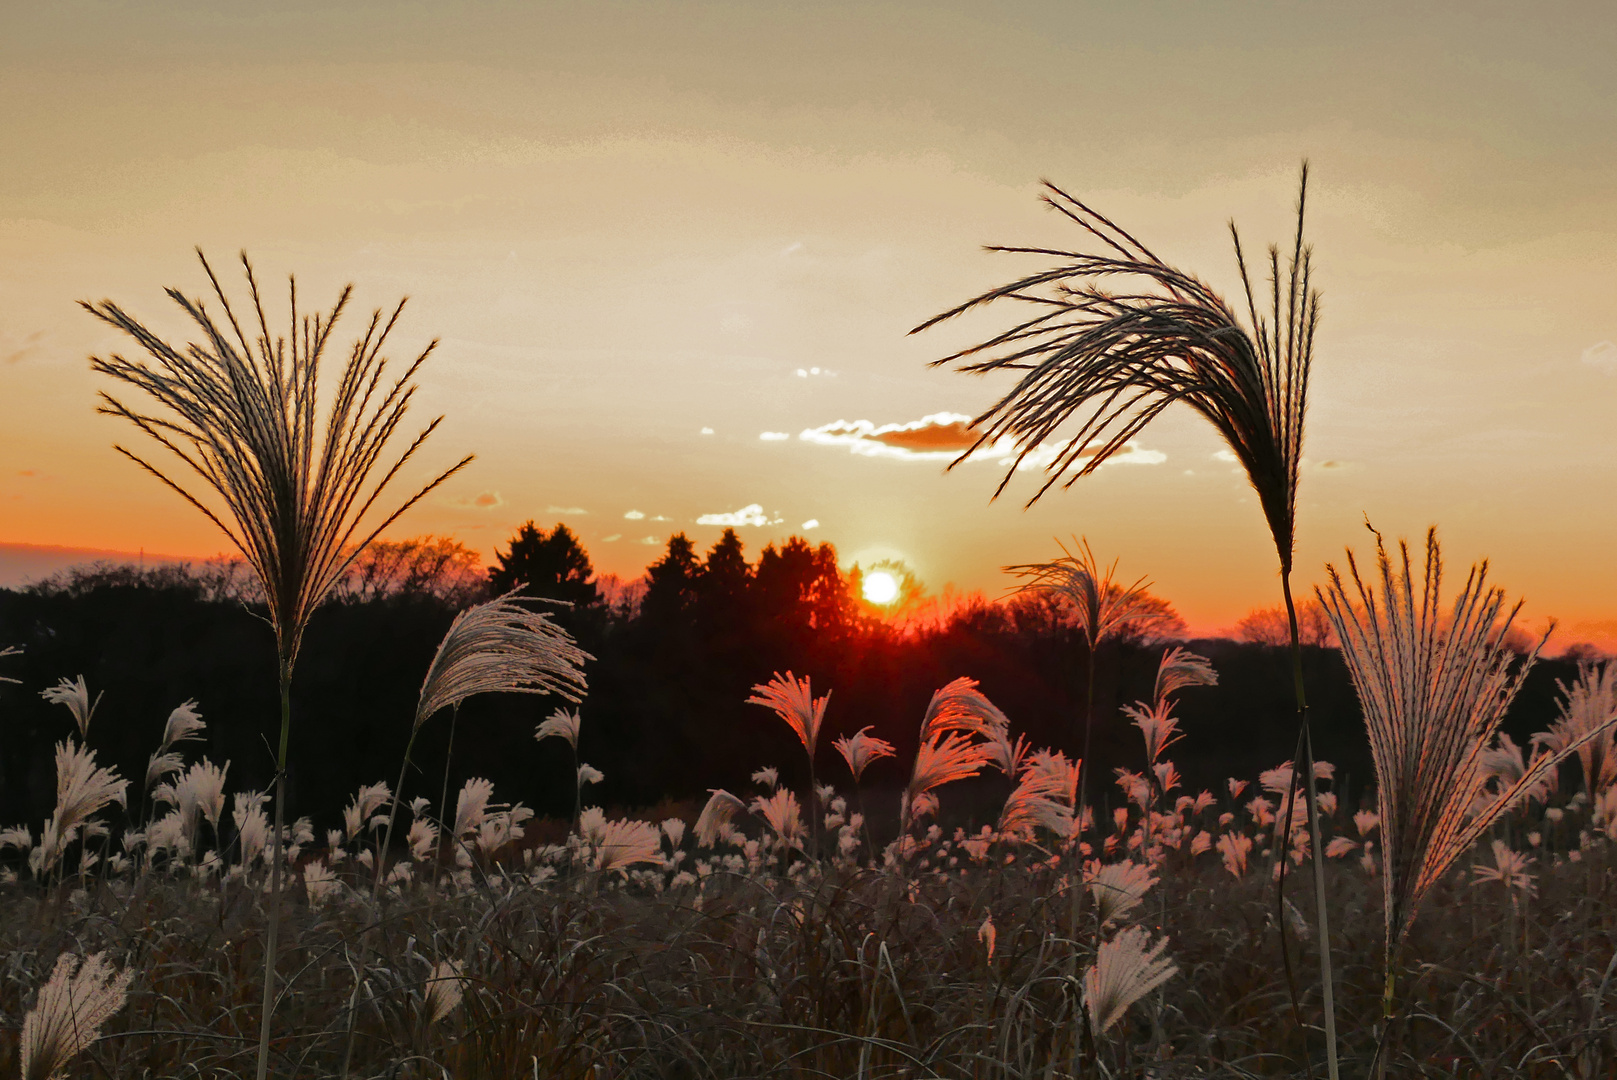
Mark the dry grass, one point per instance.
(856, 974)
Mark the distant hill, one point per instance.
(21, 564)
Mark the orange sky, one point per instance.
(632, 223)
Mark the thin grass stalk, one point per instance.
(277, 861)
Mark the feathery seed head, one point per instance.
(1102, 607)
(784, 815)
(75, 696)
(444, 990)
(503, 647)
(562, 724)
(241, 413)
(1126, 969)
(1117, 888)
(185, 724)
(1434, 685)
(794, 702)
(73, 1004)
(1111, 363)
(720, 809)
(859, 750)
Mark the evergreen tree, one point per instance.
(550, 564)
(671, 582)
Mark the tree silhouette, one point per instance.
(671, 582)
(552, 565)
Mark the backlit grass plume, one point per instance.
(293, 486)
(1097, 366)
(1435, 682)
(793, 700)
(73, 1004)
(1126, 969)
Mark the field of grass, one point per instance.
(950, 955)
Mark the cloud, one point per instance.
(747, 515)
(659, 517)
(811, 523)
(816, 373)
(1226, 456)
(707, 431)
(774, 436)
(29, 346)
(1602, 355)
(945, 436)
(648, 540)
(634, 515)
(486, 500)
(609, 539)
(565, 510)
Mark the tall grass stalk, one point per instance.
(241, 410)
(1110, 363)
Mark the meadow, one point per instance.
(1453, 919)
(697, 945)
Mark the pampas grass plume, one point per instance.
(72, 1006)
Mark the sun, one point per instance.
(880, 587)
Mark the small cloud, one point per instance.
(566, 510)
(1602, 355)
(792, 248)
(945, 436)
(634, 515)
(774, 436)
(1331, 464)
(25, 472)
(747, 515)
(659, 517)
(609, 539)
(486, 500)
(811, 523)
(648, 540)
(816, 373)
(1226, 456)
(27, 348)
(707, 431)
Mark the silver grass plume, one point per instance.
(75, 696)
(1126, 969)
(1588, 704)
(793, 700)
(241, 412)
(1114, 362)
(295, 495)
(501, 647)
(1434, 684)
(1101, 607)
(73, 1004)
(859, 750)
(445, 989)
(720, 809)
(82, 791)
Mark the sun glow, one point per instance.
(880, 587)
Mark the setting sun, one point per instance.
(880, 587)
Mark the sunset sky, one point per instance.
(673, 252)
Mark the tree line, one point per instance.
(675, 656)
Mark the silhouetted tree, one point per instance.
(549, 564)
(671, 582)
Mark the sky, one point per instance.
(673, 252)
